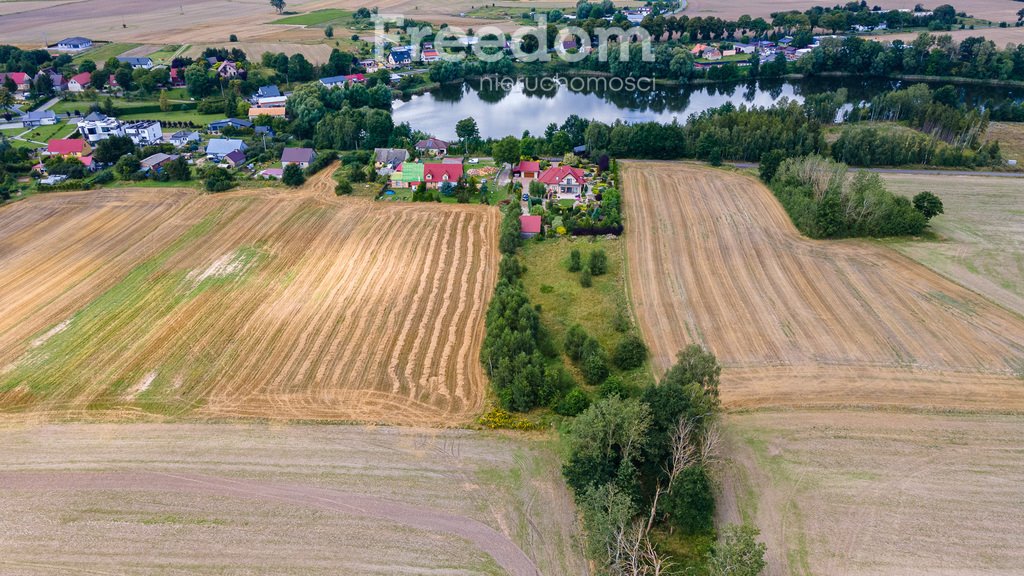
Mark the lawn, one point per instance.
(165, 54)
(44, 133)
(315, 17)
(564, 302)
(175, 116)
(100, 53)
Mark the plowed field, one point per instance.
(714, 259)
(282, 304)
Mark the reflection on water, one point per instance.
(500, 111)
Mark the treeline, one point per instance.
(825, 202)
(723, 133)
(871, 146)
(928, 54)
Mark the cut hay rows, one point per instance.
(288, 305)
(715, 260)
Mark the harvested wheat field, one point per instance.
(715, 260)
(979, 241)
(865, 493)
(184, 499)
(273, 304)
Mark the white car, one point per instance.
(474, 160)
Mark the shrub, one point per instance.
(573, 403)
(293, 175)
(575, 338)
(233, 38)
(585, 278)
(575, 261)
(595, 363)
(496, 418)
(614, 386)
(598, 263)
(630, 352)
(343, 188)
(928, 204)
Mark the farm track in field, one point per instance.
(714, 259)
(283, 304)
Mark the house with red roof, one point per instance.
(530, 226)
(66, 147)
(563, 181)
(79, 82)
(527, 169)
(437, 174)
(22, 80)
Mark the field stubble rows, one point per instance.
(715, 260)
(274, 304)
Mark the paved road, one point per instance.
(502, 549)
(913, 171)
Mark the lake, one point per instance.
(502, 112)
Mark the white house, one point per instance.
(183, 138)
(145, 63)
(219, 148)
(96, 127)
(74, 44)
(145, 132)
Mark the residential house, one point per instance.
(157, 161)
(232, 122)
(269, 91)
(263, 130)
(177, 77)
(38, 118)
(563, 181)
(342, 81)
(272, 102)
(218, 148)
(74, 44)
(698, 49)
(430, 56)
(235, 158)
(301, 156)
(276, 173)
(145, 132)
(387, 160)
(744, 48)
(526, 169)
(56, 79)
(399, 57)
(227, 69)
(370, 65)
(21, 80)
(134, 62)
(277, 112)
(79, 82)
(97, 126)
(408, 175)
(712, 53)
(68, 147)
(183, 138)
(530, 226)
(437, 174)
(433, 146)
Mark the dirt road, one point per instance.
(715, 260)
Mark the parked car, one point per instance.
(526, 197)
(474, 160)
